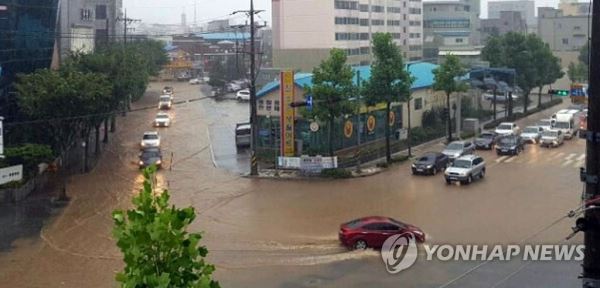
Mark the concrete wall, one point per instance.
(302, 59)
(13, 195)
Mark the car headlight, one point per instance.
(143, 144)
(158, 162)
(456, 155)
(414, 166)
(141, 162)
(429, 166)
(463, 174)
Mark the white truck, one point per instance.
(567, 121)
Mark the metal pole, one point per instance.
(359, 122)
(591, 261)
(253, 118)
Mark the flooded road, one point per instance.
(269, 233)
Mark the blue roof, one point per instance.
(422, 71)
(454, 33)
(222, 36)
(170, 47)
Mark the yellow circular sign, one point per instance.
(371, 123)
(348, 129)
(392, 118)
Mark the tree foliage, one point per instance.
(577, 72)
(332, 89)
(157, 248)
(218, 75)
(390, 81)
(532, 59)
(447, 79)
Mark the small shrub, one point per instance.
(336, 173)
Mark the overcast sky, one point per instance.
(167, 12)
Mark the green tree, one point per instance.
(218, 75)
(584, 54)
(157, 248)
(331, 90)
(548, 67)
(389, 82)
(446, 78)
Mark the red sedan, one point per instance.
(373, 231)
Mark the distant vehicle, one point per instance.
(150, 139)
(243, 135)
(464, 169)
(165, 102)
(500, 97)
(458, 148)
(532, 134)
(509, 145)
(243, 95)
(182, 76)
(545, 124)
(507, 128)
(430, 163)
(168, 90)
(579, 107)
(552, 138)
(485, 140)
(232, 87)
(373, 231)
(567, 121)
(194, 81)
(583, 124)
(162, 120)
(243, 83)
(150, 156)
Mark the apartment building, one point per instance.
(509, 21)
(561, 32)
(526, 7)
(304, 31)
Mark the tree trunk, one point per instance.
(525, 102)
(330, 135)
(540, 97)
(113, 123)
(494, 99)
(408, 134)
(510, 104)
(448, 119)
(97, 152)
(86, 150)
(388, 153)
(105, 131)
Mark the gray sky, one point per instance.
(169, 11)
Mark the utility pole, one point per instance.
(126, 21)
(591, 261)
(360, 127)
(253, 116)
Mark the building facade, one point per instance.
(27, 42)
(304, 31)
(526, 7)
(575, 8)
(509, 21)
(450, 24)
(562, 33)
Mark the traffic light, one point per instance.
(558, 92)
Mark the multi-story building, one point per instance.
(509, 21)
(27, 41)
(571, 8)
(85, 23)
(526, 7)
(562, 33)
(304, 31)
(450, 24)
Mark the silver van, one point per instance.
(243, 135)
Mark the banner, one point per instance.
(10, 174)
(287, 113)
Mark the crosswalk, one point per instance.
(566, 160)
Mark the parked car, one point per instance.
(464, 169)
(509, 145)
(165, 102)
(195, 81)
(150, 156)
(552, 138)
(150, 139)
(500, 97)
(532, 134)
(243, 135)
(430, 163)
(373, 231)
(232, 87)
(545, 124)
(485, 140)
(243, 95)
(458, 148)
(168, 90)
(162, 120)
(507, 128)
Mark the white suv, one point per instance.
(507, 128)
(150, 139)
(464, 169)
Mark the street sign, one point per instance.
(287, 115)
(10, 174)
(309, 102)
(314, 126)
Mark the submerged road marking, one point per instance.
(501, 159)
(510, 159)
(578, 164)
(570, 156)
(581, 157)
(566, 163)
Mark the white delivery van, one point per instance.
(567, 121)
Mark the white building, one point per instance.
(563, 33)
(526, 7)
(305, 30)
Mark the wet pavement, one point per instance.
(264, 233)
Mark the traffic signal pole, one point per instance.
(591, 261)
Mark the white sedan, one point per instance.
(162, 120)
(150, 139)
(243, 95)
(194, 81)
(507, 128)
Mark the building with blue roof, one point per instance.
(225, 36)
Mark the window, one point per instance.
(346, 21)
(414, 11)
(86, 14)
(377, 9)
(346, 5)
(261, 104)
(415, 35)
(341, 36)
(565, 41)
(415, 48)
(414, 23)
(377, 22)
(404, 29)
(404, 17)
(364, 22)
(447, 23)
(364, 50)
(393, 22)
(363, 8)
(458, 40)
(100, 12)
(396, 35)
(418, 104)
(276, 105)
(394, 10)
(577, 28)
(268, 105)
(373, 226)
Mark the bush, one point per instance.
(336, 173)
(30, 155)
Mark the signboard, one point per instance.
(371, 124)
(1, 138)
(348, 129)
(307, 164)
(392, 118)
(288, 162)
(287, 113)
(10, 174)
(314, 126)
